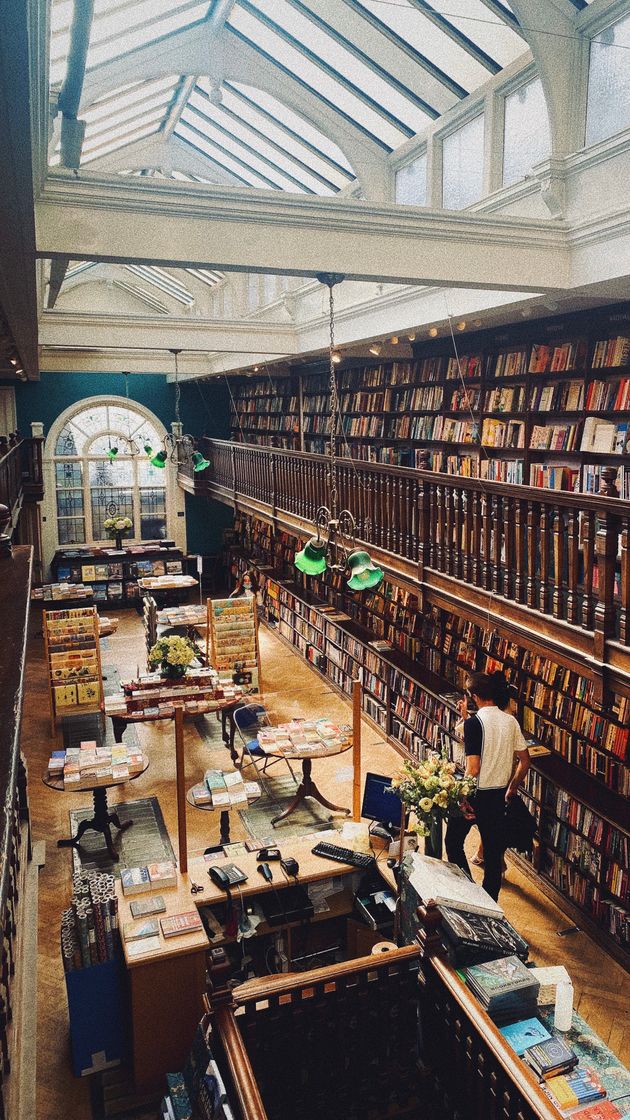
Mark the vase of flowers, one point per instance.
(433, 791)
(172, 656)
(116, 526)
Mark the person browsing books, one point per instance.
(492, 739)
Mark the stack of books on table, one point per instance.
(190, 615)
(152, 877)
(88, 765)
(304, 737)
(505, 988)
(223, 790)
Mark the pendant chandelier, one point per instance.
(179, 447)
(130, 443)
(333, 547)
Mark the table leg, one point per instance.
(119, 726)
(100, 822)
(225, 826)
(307, 788)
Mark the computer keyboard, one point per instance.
(343, 855)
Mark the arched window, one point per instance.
(90, 486)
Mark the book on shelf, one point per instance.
(133, 931)
(551, 1058)
(524, 1033)
(579, 1087)
(143, 907)
(447, 884)
(135, 880)
(175, 925)
(142, 947)
(162, 874)
(611, 352)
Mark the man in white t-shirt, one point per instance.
(492, 739)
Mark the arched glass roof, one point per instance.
(301, 80)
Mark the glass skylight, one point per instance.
(143, 296)
(119, 27)
(163, 280)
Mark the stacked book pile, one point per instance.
(143, 936)
(61, 591)
(190, 615)
(574, 1090)
(305, 737)
(153, 697)
(173, 581)
(88, 765)
(152, 877)
(89, 927)
(222, 790)
(475, 938)
(505, 988)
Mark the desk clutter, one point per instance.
(223, 789)
(304, 737)
(89, 765)
(532, 1007)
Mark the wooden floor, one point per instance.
(602, 988)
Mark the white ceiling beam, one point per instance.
(84, 330)
(263, 231)
(65, 359)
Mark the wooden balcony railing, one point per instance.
(14, 827)
(527, 551)
(21, 477)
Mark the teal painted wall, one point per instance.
(204, 410)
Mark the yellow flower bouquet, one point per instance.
(172, 655)
(432, 790)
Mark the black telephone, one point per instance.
(220, 877)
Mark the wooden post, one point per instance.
(181, 789)
(356, 750)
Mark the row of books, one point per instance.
(267, 422)
(611, 352)
(545, 358)
(502, 433)
(554, 437)
(559, 397)
(608, 395)
(57, 592)
(246, 402)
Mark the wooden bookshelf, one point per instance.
(113, 576)
(411, 691)
(546, 404)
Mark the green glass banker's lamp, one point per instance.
(336, 531)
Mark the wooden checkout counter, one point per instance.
(167, 985)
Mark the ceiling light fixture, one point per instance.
(179, 447)
(461, 326)
(412, 336)
(394, 340)
(375, 349)
(334, 545)
(132, 446)
(336, 357)
(433, 332)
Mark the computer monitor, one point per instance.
(378, 805)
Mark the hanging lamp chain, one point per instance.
(334, 413)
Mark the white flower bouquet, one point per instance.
(116, 525)
(432, 790)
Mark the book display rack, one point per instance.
(232, 639)
(414, 670)
(73, 656)
(113, 575)
(547, 405)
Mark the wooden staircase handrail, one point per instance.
(242, 1074)
(270, 987)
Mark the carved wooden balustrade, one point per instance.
(21, 475)
(550, 560)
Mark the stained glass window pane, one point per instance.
(68, 475)
(118, 473)
(526, 138)
(411, 182)
(462, 165)
(69, 503)
(148, 475)
(109, 501)
(71, 530)
(608, 108)
(153, 514)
